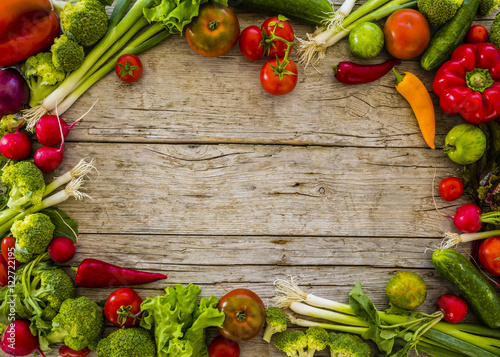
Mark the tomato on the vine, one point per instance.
(280, 27)
(451, 188)
(406, 34)
(476, 34)
(489, 255)
(251, 45)
(214, 31)
(279, 77)
(128, 68)
(245, 315)
(123, 307)
(7, 247)
(222, 347)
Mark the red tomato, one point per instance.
(214, 31)
(8, 246)
(489, 255)
(65, 351)
(476, 33)
(406, 34)
(278, 26)
(128, 68)
(251, 43)
(245, 315)
(451, 188)
(222, 347)
(123, 307)
(4, 272)
(278, 78)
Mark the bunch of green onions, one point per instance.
(123, 26)
(313, 49)
(428, 333)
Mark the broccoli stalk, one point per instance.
(276, 322)
(317, 340)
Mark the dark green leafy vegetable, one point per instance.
(65, 226)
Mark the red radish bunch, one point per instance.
(454, 308)
(17, 339)
(16, 146)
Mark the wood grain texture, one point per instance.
(205, 177)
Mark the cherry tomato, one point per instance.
(251, 43)
(123, 307)
(4, 272)
(128, 68)
(245, 315)
(476, 33)
(222, 347)
(278, 26)
(451, 188)
(65, 351)
(8, 246)
(278, 77)
(214, 31)
(406, 34)
(489, 255)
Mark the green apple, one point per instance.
(366, 40)
(465, 144)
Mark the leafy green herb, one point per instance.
(65, 226)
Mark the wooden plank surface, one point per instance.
(205, 177)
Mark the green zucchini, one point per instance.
(311, 12)
(470, 283)
(449, 36)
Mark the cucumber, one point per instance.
(312, 12)
(470, 283)
(449, 36)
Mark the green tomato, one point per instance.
(406, 290)
(366, 40)
(465, 144)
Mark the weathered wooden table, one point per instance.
(207, 178)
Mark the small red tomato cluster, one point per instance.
(273, 39)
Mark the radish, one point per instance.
(16, 146)
(454, 308)
(61, 249)
(17, 339)
(469, 218)
(48, 158)
(47, 130)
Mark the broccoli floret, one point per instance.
(25, 183)
(9, 124)
(130, 342)
(276, 322)
(42, 77)
(292, 343)
(78, 324)
(86, 22)
(348, 345)
(33, 235)
(438, 12)
(317, 340)
(494, 35)
(52, 285)
(487, 6)
(67, 55)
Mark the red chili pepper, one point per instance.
(93, 273)
(469, 83)
(12, 12)
(65, 351)
(33, 34)
(353, 73)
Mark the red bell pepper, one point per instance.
(93, 273)
(13, 12)
(32, 35)
(469, 83)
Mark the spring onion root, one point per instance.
(452, 240)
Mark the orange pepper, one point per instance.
(414, 91)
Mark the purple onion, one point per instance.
(14, 91)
